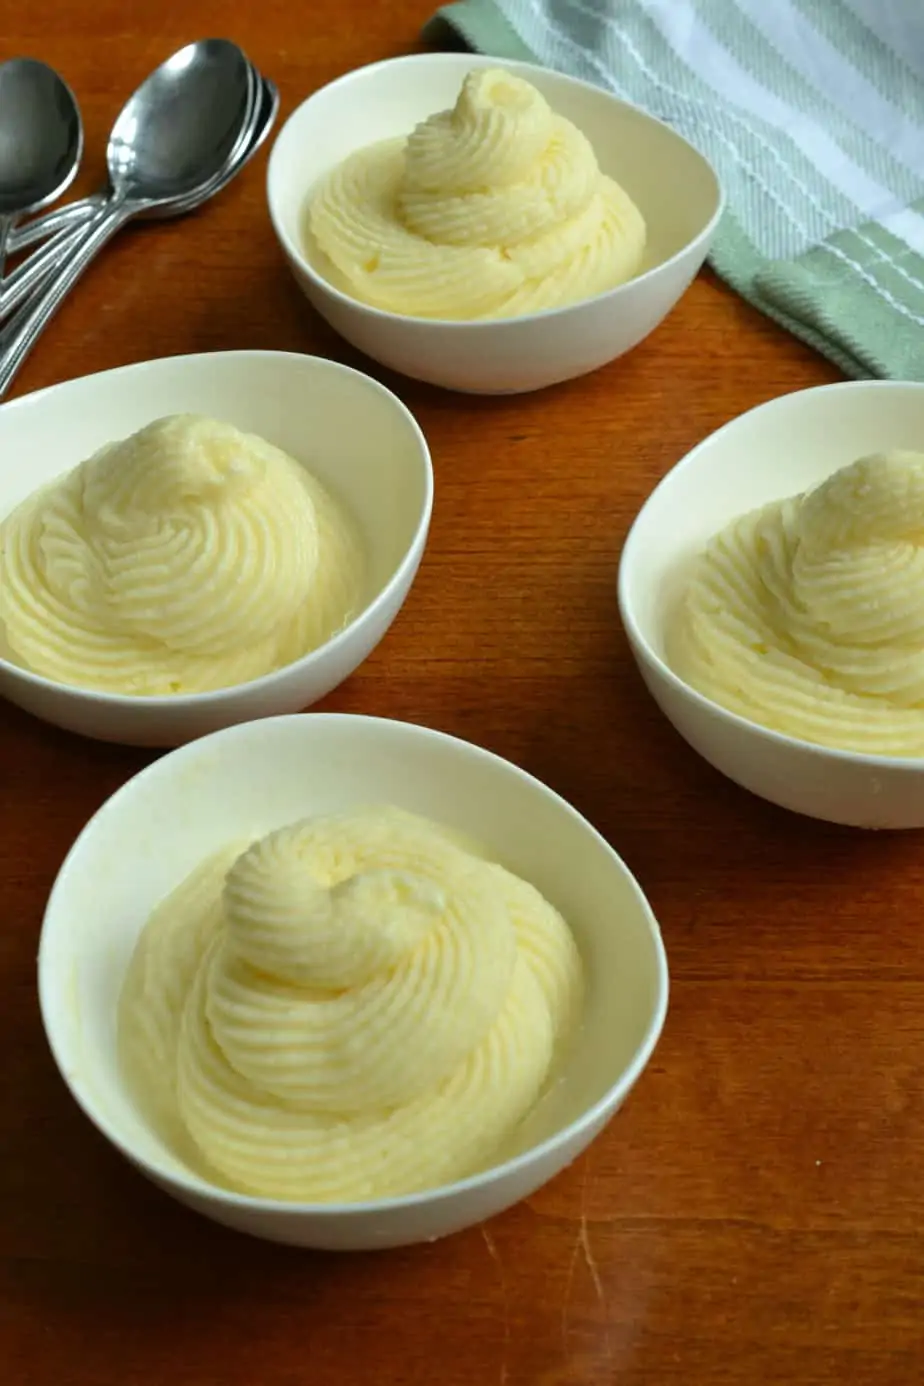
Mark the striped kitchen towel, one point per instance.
(812, 111)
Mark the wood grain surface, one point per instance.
(754, 1214)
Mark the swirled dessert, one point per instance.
(187, 557)
(349, 1008)
(491, 210)
(807, 615)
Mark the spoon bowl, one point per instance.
(184, 124)
(40, 152)
(41, 140)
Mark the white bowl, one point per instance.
(253, 778)
(671, 182)
(355, 435)
(776, 450)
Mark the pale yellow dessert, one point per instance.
(187, 557)
(350, 1008)
(807, 615)
(491, 210)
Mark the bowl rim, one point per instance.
(191, 1184)
(293, 250)
(644, 648)
(216, 696)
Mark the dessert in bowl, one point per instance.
(489, 230)
(190, 542)
(504, 986)
(769, 589)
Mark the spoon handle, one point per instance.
(28, 276)
(6, 226)
(70, 216)
(22, 332)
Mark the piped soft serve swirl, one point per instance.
(808, 615)
(350, 1008)
(491, 210)
(187, 557)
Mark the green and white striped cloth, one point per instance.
(812, 111)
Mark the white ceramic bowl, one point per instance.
(773, 451)
(256, 777)
(673, 185)
(355, 435)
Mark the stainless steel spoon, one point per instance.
(41, 140)
(68, 231)
(172, 143)
(29, 276)
(68, 217)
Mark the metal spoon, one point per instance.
(173, 140)
(74, 213)
(41, 140)
(42, 263)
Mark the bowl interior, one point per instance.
(673, 185)
(349, 430)
(777, 450)
(259, 776)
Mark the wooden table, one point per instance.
(754, 1214)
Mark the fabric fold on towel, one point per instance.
(811, 111)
